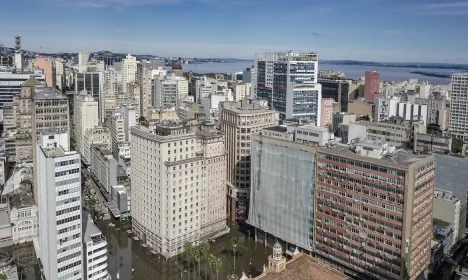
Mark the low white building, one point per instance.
(94, 251)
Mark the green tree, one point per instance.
(3, 276)
(215, 264)
(204, 249)
(188, 247)
(457, 145)
(92, 204)
(197, 256)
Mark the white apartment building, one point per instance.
(178, 186)
(59, 243)
(94, 251)
(239, 121)
(86, 116)
(204, 87)
(448, 208)
(98, 135)
(169, 91)
(104, 167)
(211, 105)
(129, 69)
(458, 123)
(116, 126)
(130, 116)
(147, 72)
(288, 81)
(242, 91)
(83, 58)
(385, 108)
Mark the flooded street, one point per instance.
(129, 260)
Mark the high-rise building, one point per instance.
(283, 189)
(59, 242)
(374, 209)
(116, 124)
(111, 89)
(178, 185)
(129, 70)
(10, 84)
(85, 117)
(50, 113)
(169, 91)
(46, 65)
(371, 86)
(436, 110)
(239, 121)
(93, 83)
(288, 82)
(458, 124)
(83, 57)
(335, 88)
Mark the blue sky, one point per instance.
(379, 30)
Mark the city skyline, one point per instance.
(375, 30)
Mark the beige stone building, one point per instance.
(178, 185)
(98, 135)
(239, 121)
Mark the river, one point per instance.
(351, 71)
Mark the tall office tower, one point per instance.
(86, 116)
(59, 244)
(116, 124)
(179, 189)
(283, 189)
(83, 58)
(111, 89)
(18, 144)
(46, 65)
(374, 209)
(147, 73)
(10, 84)
(458, 124)
(18, 56)
(371, 86)
(169, 91)
(50, 112)
(59, 67)
(288, 81)
(93, 83)
(239, 121)
(338, 89)
(129, 69)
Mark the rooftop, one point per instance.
(89, 228)
(279, 128)
(56, 152)
(22, 197)
(398, 159)
(305, 267)
(31, 82)
(47, 93)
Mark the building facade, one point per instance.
(337, 89)
(97, 136)
(129, 70)
(239, 121)
(178, 186)
(458, 124)
(327, 112)
(169, 91)
(288, 82)
(371, 86)
(86, 116)
(93, 83)
(103, 167)
(94, 251)
(59, 242)
(10, 84)
(374, 215)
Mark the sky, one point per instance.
(371, 30)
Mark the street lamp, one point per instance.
(21, 273)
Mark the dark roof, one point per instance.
(176, 65)
(31, 82)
